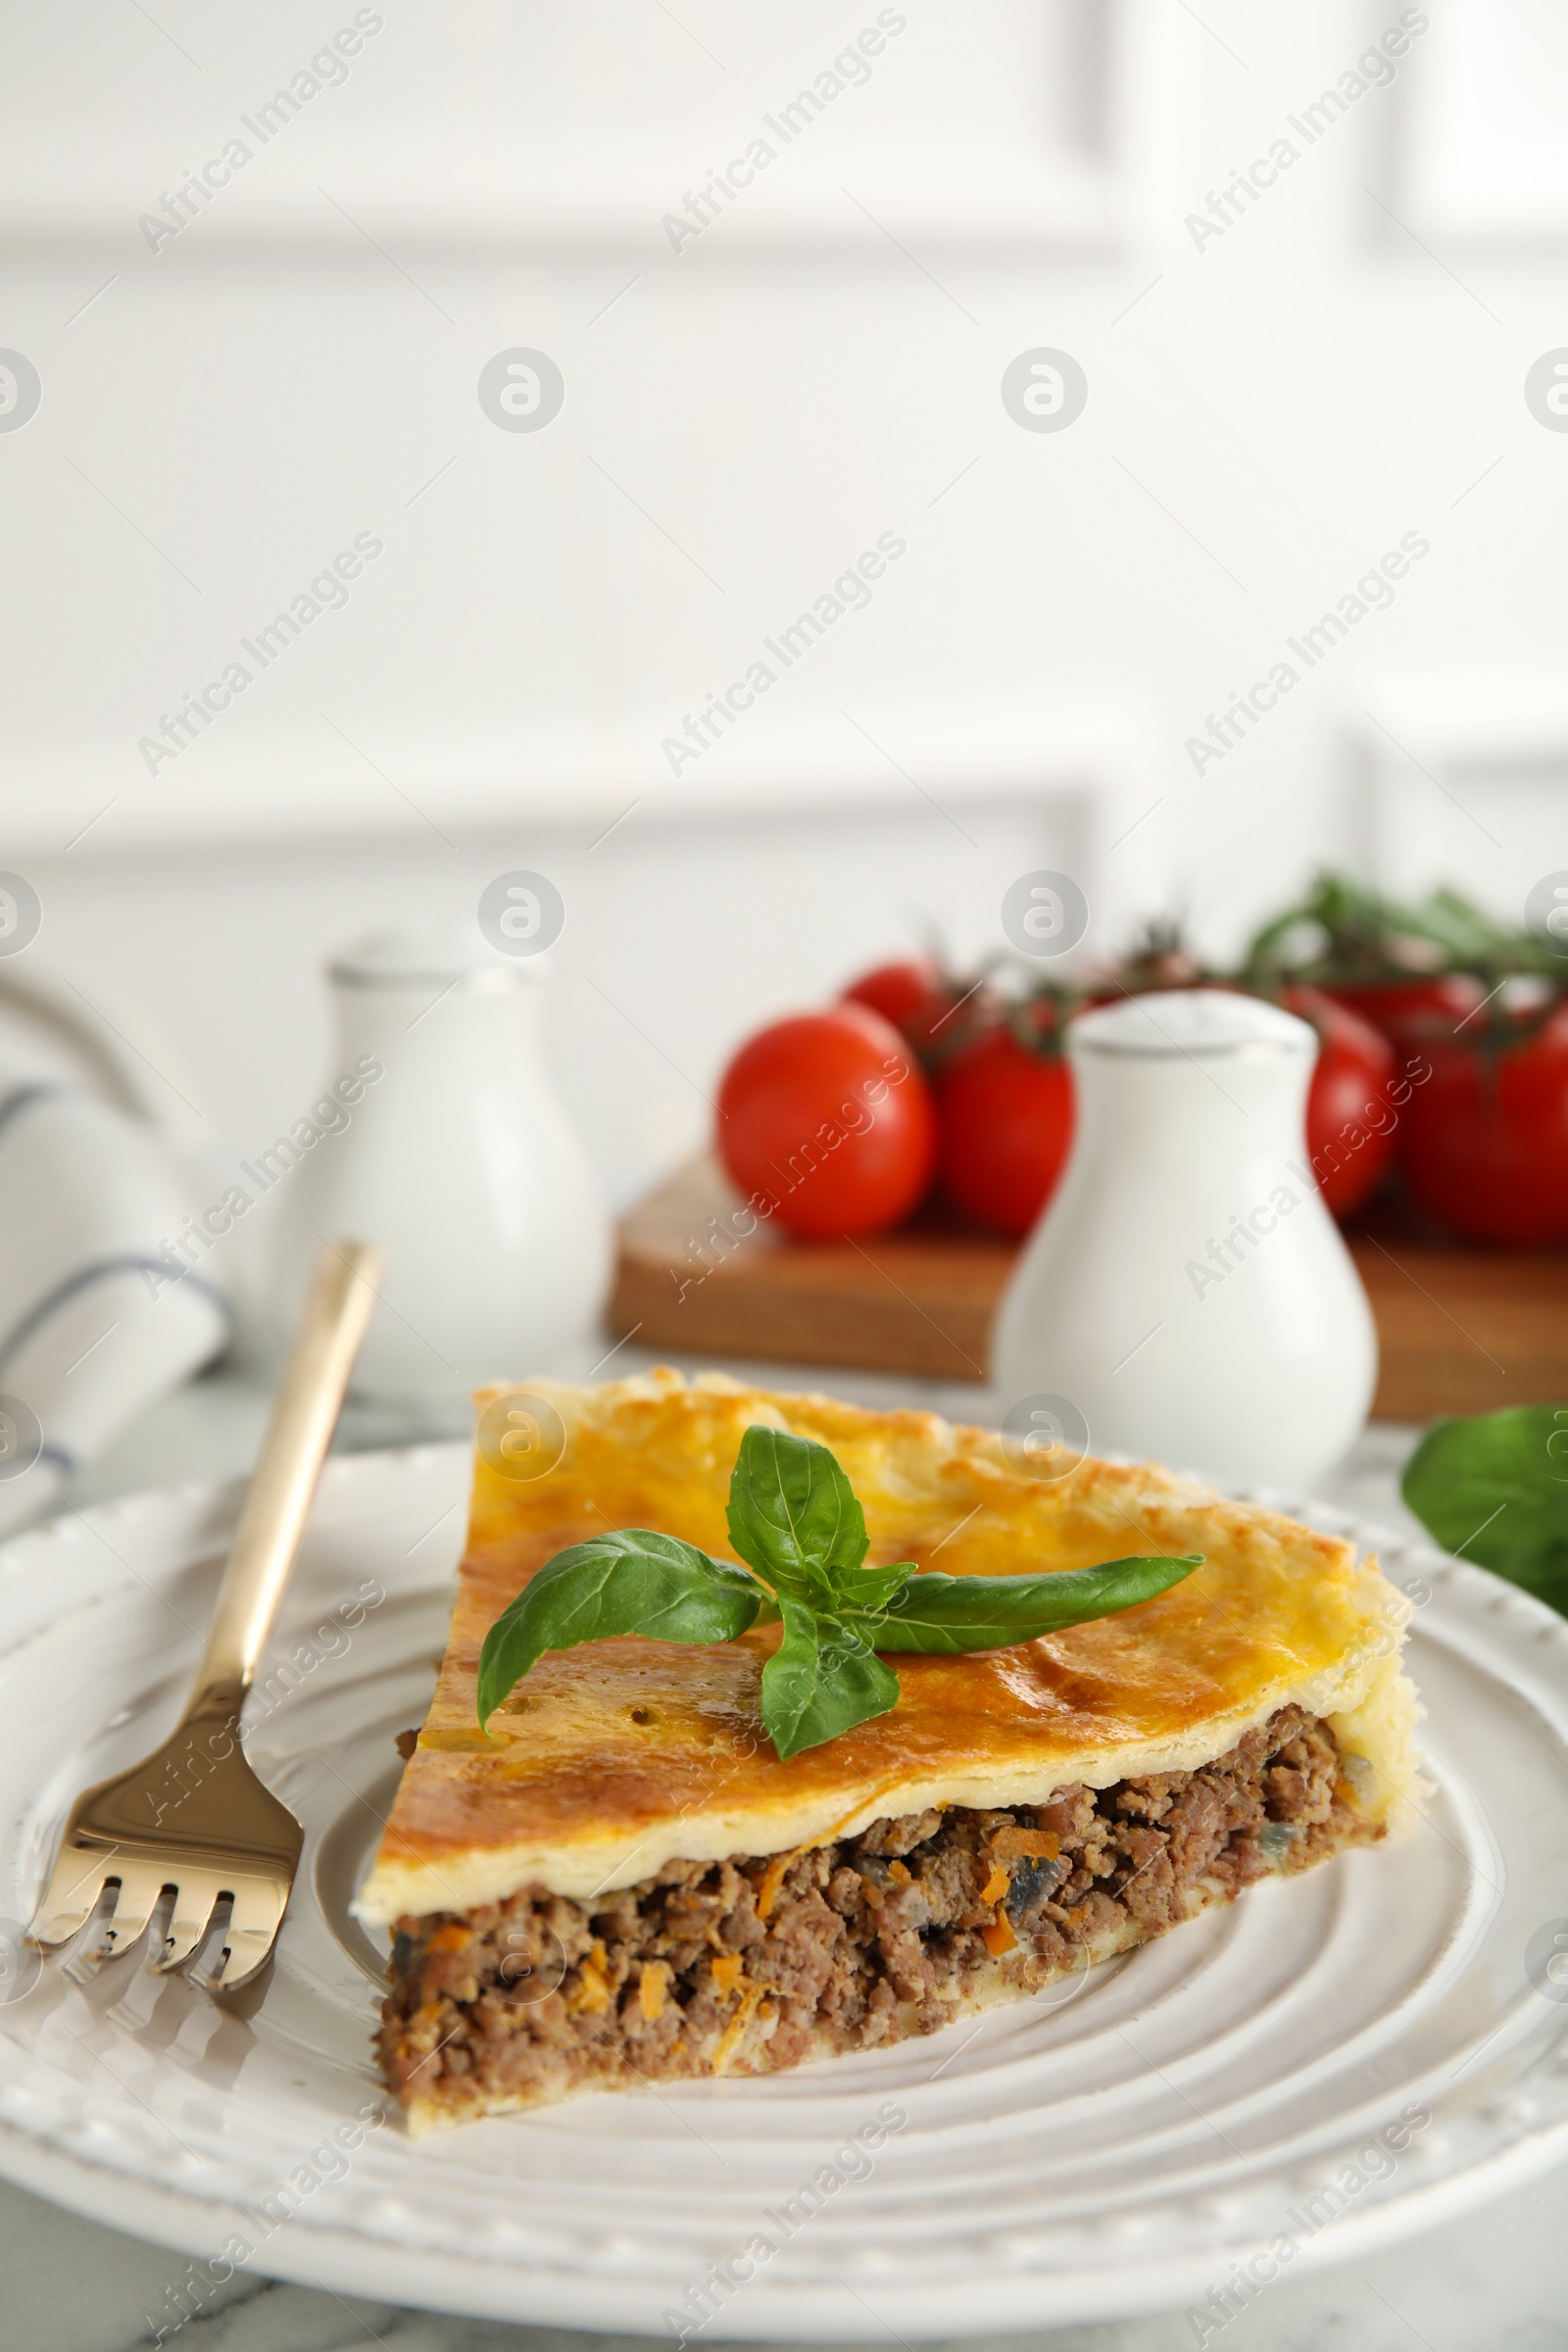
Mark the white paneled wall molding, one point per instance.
(448, 212)
(1482, 159)
(493, 124)
(1465, 783)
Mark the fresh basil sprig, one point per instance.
(949, 1614)
(1494, 1489)
(632, 1582)
(794, 1518)
(824, 1678)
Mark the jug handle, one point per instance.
(128, 1057)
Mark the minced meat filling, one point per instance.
(754, 1964)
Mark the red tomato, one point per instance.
(1347, 1099)
(915, 996)
(1413, 1015)
(1485, 1145)
(830, 1117)
(1006, 1112)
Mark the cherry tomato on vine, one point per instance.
(1484, 1145)
(917, 997)
(1006, 1112)
(829, 1115)
(1352, 1125)
(1412, 1013)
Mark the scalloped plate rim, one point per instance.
(494, 2284)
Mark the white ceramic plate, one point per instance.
(1070, 2157)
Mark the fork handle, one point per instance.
(338, 1309)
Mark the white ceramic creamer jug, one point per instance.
(455, 1155)
(1186, 1292)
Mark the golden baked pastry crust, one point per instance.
(614, 1758)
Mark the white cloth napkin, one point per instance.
(101, 1312)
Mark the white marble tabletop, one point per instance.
(1497, 2279)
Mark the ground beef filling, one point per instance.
(752, 1965)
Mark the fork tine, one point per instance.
(251, 1932)
(140, 1885)
(193, 1816)
(194, 1900)
(71, 1896)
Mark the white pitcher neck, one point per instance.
(458, 957)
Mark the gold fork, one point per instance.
(193, 1816)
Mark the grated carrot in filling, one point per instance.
(998, 1937)
(727, 1972)
(593, 1994)
(653, 1989)
(996, 1887)
(593, 1986)
(1009, 1843)
(773, 1878)
(729, 2040)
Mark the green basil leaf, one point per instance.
(938, 1613)
(793, 1515)
(630, 1582)
(822, 1678)
(868, 1592)
(1494, 1489)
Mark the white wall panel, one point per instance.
(498, 121)
(1485, 154)
(1283, 381)
(1467, 787)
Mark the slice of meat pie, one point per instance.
(621, 1881)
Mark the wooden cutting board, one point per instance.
(1461, 1330)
